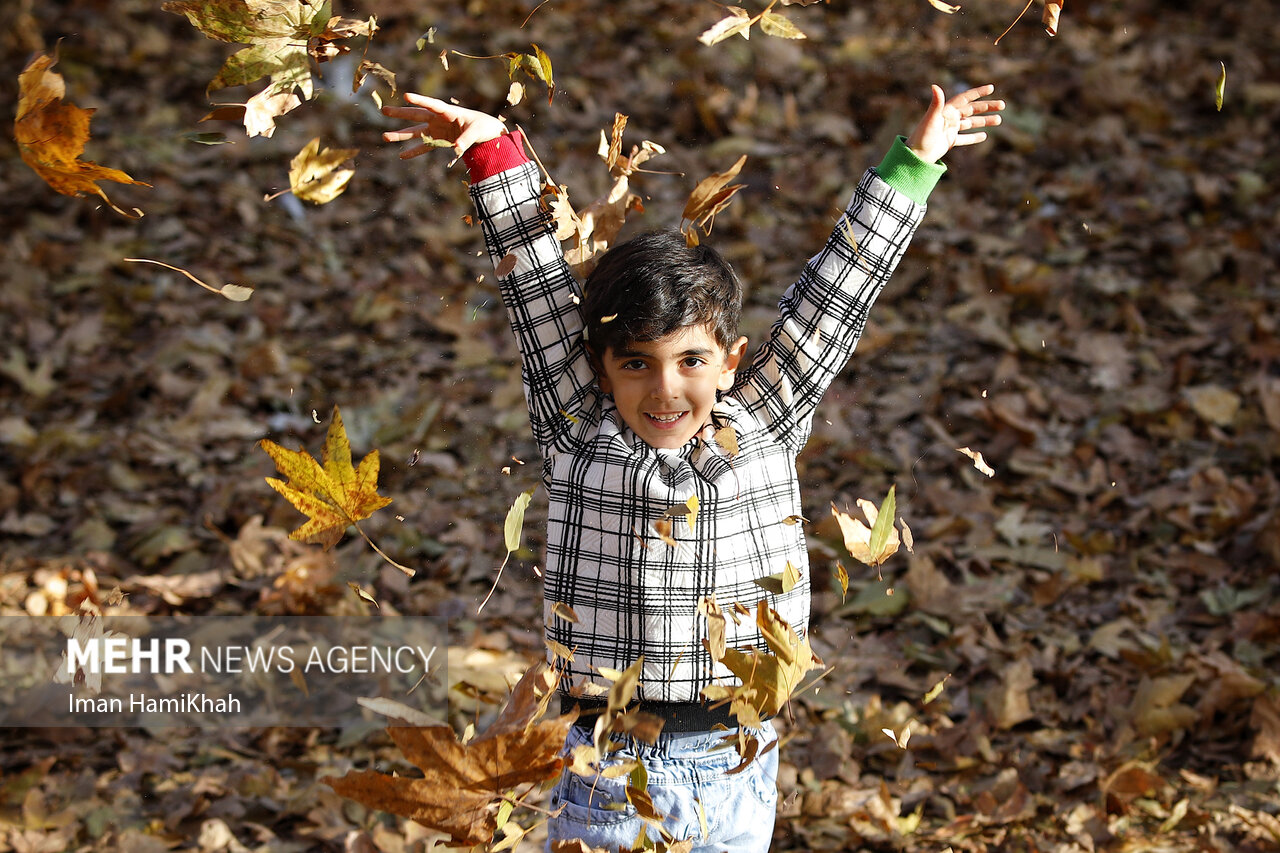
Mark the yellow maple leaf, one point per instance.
(332, 493)
(52, 134)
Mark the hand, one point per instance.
(939, 131)
(439, 119)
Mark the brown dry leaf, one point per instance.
(978, 461)
(727, 438)
(315, 174)
(737, 22)
(709, 197)
(1156, 708)
(462, 786)
(768, 680)
(943, 7)
(234, 292)
(1052, 10)
(51, 135)
(1215, 404)
(1010, 703)
(782, 582)
(877, 543)
(377, 70)
(331, 493)
(663, 528)
(1265, 721)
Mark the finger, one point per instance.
(404, 134)
(970, 95)
(980, 121)
(969, 139)
(987, 106)
(428, 102)
(409, 113)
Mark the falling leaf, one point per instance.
(564, 612)
(842, 578)
(506, 265)
(314, 174)
(514, 524)
(936, 690)
(1052, 9)
(783, 582)
(364, 596)
(738, 22)
(663, 528)
(902, 738)
(692, 503)
(461, 784)
(536, 65)
(709, 197)
(51, 135)
(331, 493)
(779, 26)
(877, 543)
(908, 540)
(1220, 90)
(978, 461)
(511, 530)
(365, 68)
(792, 520)
(234, 292)
(207, 138)
(559, 650)
(946, 8)
(515, 92)
(768, 678)
(727, 438)
(282, 37)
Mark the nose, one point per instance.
(666, 384)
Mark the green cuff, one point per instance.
(907, 173)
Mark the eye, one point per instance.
(694, 361)
(633, 364)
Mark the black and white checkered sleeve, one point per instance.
(822, 316)
(541, 297)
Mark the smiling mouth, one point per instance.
(665, 419)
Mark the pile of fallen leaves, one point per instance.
(1078, 653)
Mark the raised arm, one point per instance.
(822, 316)
(538, 289)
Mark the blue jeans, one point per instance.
(684, 770)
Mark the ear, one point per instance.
(597, 364)
(732, 358)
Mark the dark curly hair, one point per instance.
(655, 284)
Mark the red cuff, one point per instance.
(486, 159)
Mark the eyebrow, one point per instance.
(633, 353)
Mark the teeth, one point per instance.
(666, 419)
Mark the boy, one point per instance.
(631, 386)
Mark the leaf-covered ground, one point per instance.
(1091, 304)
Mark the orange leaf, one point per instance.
(52, 134)
(709, 197)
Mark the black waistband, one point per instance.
(681, 717)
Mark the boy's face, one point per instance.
(665, 389)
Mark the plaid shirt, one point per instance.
(634, 593)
